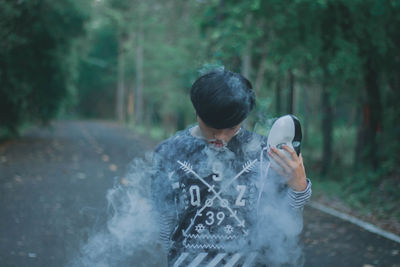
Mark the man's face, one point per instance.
(218, 137)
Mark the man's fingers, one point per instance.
(274, 155)
(301, 159)
(291, 151)
(284, 157)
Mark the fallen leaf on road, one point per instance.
(368, 265)
(124, 181)
(81, 175)
(113, 167)
(105, 158)
(18, 179)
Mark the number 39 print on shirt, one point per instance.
(215, 220)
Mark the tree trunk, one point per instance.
(290, 99)
(131, 105)
(278, 95)
(246, 60)
(120, 107)
(367, 149)
(304, 124)
(391, 104)
(132, 88)
(246, 54)
(139, 78)
(261, 72)
(327, 127)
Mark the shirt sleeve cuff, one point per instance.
(297, 199)
(305, 190)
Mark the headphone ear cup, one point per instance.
(298, 135)
(296, 147)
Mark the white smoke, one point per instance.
(130, 237)
(278, 224)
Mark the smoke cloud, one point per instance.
(130, 237)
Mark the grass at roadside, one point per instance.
(6, 134)
(378, 203)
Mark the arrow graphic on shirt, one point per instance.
(224, 203)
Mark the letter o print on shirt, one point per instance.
(195, 195)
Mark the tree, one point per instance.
(36, 64)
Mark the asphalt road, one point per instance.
(53, 186)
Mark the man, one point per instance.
(208, 181)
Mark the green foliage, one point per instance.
(367, 192)
(172, 52)
(97, 71)
(347, 49)
(35, 72)
(261, 117)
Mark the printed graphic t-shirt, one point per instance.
(207, 198)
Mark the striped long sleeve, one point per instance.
(166, 224)
(163, 200)
(297, 199)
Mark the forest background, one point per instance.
(335, 64)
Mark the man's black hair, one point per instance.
(222, 99)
